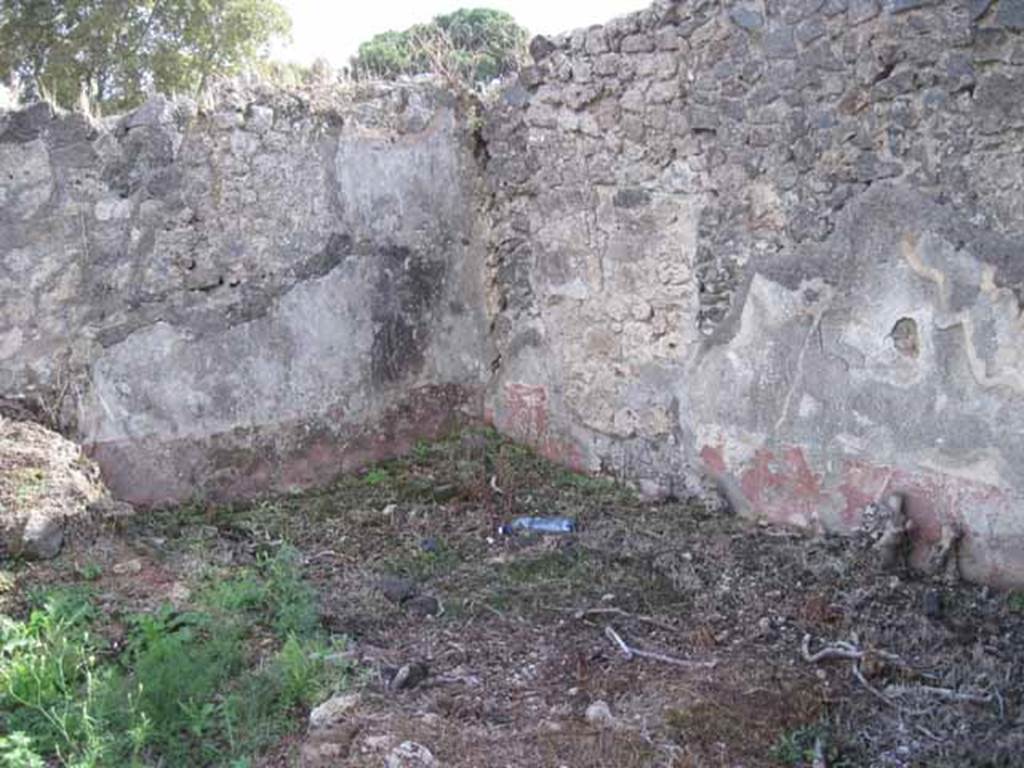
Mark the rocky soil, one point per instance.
(749, 646)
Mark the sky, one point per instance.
(334, 29)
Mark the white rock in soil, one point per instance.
(598, 714)
(333, 710)
(409, 754)
(41, 538)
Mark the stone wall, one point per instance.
(779, 244)
(252, 295)
(772, 247)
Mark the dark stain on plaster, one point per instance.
(631, 198)
(334, 252)
(407, 289)
(395, 350)
(905, 337)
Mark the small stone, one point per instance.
(516, 95)
(423, 605)
(596, 42)
(333, 711)
(42, 537)
(541, 47)
(531, 77)
(227, 119)
(128, 567)
(746, 18)
(158, 110)
(397, 589)
(902, 6)
(599, 715)
(933, 604)
(110, 509)
(409, 754)
(260, 118)
(703, 119)
(862, 10)
(637, 44)
(810, 31)
(667, 39)
(409, 676)
(778, 44)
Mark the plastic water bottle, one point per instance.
(544, 524)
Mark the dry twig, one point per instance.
(855, 655)
(840, 650)
(629, 652)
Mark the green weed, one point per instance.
(797, 747)
(422, 450)
(188, 688)
(1015, 602)
(90, 571)
(376, 477)
(272, 593)
(16, 751)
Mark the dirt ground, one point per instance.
(503, 641)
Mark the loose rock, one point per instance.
(409, 676)
(397, 589)
(599, 715)
(334, 710)
(423, 605)
(409, 754)
(128, 567)
(41, 538)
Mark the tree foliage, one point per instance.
(473, 45)
(114, 51)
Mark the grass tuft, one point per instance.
(182, 691)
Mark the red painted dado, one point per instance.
(280, 457)
(713, 460)
(784, 484)
(523, 414)
(780, 485)
(525, 411)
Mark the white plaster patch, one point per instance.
(112, 209)
(809, 407)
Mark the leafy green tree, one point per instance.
(114, 51)
(471, 45)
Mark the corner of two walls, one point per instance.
(248, 297)
(776, 245)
